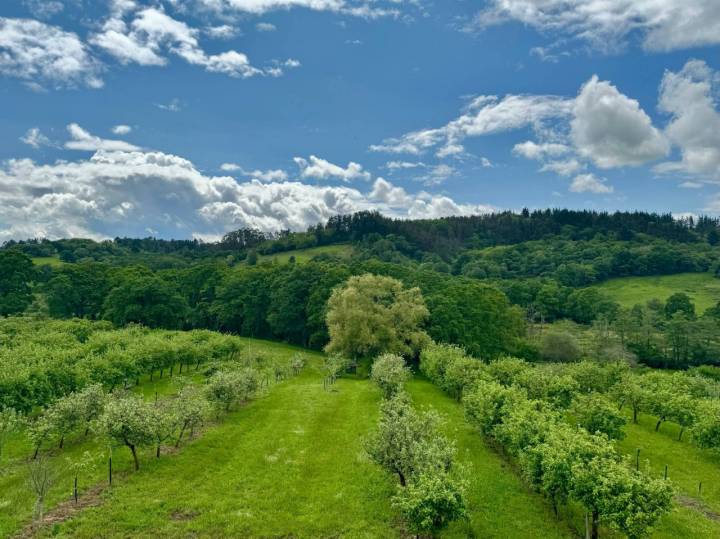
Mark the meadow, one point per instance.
(703, 289)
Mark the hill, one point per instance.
(703, 288)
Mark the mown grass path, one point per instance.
(500, 505)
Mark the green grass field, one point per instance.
(305, 255)
(703, 288)
(291, 464)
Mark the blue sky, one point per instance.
(189, 118)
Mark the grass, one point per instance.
(500, 504)
(305, 255)
(47, 261)
(291, 464)
(687, 467)
(703, 288)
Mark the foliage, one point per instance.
(16, 274)
(372, 315)
(10, 421)
(128, 421)
(559, 346)
(390, 372)
(597, 414)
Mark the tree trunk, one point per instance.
(682, 429)
(62, 441)
(37, 450)
(182, 431)
(157, 452)
(657, 426)
(595, 524)
(402, 479)
(635, 414)
(135, 457)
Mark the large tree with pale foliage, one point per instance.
(371, 315)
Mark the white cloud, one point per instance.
(688, 96)
(485, 115)
(35, 138)
(589, 183)
(368, 9)
(401, 165)
(84, 141)
(566, 167)
(127, 193)
(230, 167)
(533, 150)
(121, 129)
(265, 27)
(438, 174)
(691, 185)
(272, 175)
(44, 9)
(223, 31)
(152, 33)
(612, 130)
(43, 55)
(607, 24)
(324, 170)
(486, 163)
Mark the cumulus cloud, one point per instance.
(265, 27)
(152, 33)
(42, 55)
(438, 174)
(485, 115)
(566, 167)
(128, 193)
(607, 24)
(321, 169)
(44, 9)
(223, 31)
(84, 141)
(589, 183)
(612, 130)
(121, 129)
(687, 96)
(35, 138)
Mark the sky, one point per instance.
(191, 118)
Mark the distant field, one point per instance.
(47, 261)
(703, 288)
(305, 255)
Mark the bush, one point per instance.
(559, 346)
(389, 372)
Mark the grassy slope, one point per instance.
(703, 288)
(305, 255)
(687, 466)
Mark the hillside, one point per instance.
(703, 288)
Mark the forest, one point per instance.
(569, 400)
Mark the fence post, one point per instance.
(666, 471)
(110, 470)
(637, 460)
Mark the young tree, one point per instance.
(190, 410)
(297, 362)
(595, 413)
(629, 391)
(128, 421)
(706, 430)
(41, 477)
(397, 440)
(431, 500)
(390, 372)
(486, 405)
(163, 425)
(372, 315)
